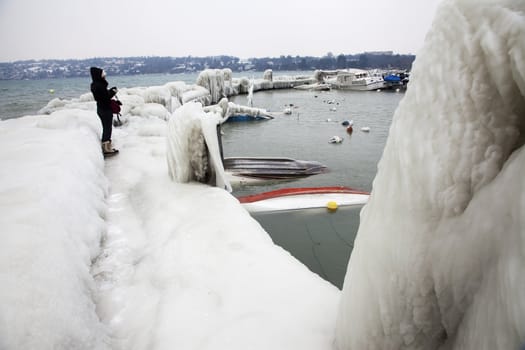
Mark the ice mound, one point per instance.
(51, 230)
(439, 257)
(193, 146)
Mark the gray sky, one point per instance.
(37, 29)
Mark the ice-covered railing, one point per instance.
(211, 86)
(159, 101)
(193, 146)
(220, 83)
(214, 81)
(229, 109)
(193, 152)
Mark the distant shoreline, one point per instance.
(123, 66)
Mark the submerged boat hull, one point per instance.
(272, 168)
(314, 87)
(247, 118)
(303, 198)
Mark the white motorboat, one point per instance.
(357, 79)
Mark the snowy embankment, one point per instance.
(52, 204)
(113, 254)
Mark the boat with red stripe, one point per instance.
(304, 198)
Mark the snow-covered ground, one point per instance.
(114, 254)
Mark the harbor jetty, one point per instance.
(220, 83)
(212, 85)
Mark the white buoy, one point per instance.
(365, 129)
(335, 139)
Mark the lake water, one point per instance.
(321, 240)
(27, 97)
(305, 133)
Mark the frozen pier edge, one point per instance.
(210, 87)
(220, 83)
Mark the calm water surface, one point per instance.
(321, 240)
(305, 133)
(27, 97)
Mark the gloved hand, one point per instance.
(114, 89)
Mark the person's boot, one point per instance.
(108, 149)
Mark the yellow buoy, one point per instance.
(331, 205)
(51, 91)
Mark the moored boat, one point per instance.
(314, 87)
(247, 117)
(304, 198)
(396, 80)
(272, 168)
(357, 79)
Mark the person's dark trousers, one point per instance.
(106, 117)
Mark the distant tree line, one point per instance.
(41, 69)
(331, 62)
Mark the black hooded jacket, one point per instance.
(99, 88)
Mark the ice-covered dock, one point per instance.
(220, 83)
(210, 87)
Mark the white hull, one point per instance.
(356, 79)
(365, 86)
(305, 201)
(294, 199)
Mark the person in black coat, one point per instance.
(99, 88)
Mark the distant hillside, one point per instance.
(43, 69)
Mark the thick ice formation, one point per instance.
(159, 101)
(52, 190)
(161, 95)
(249, 98)
(193, 152)
(213, 81)
(228, 109)
(219, 83)
(439, 257)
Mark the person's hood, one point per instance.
(96, 73)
